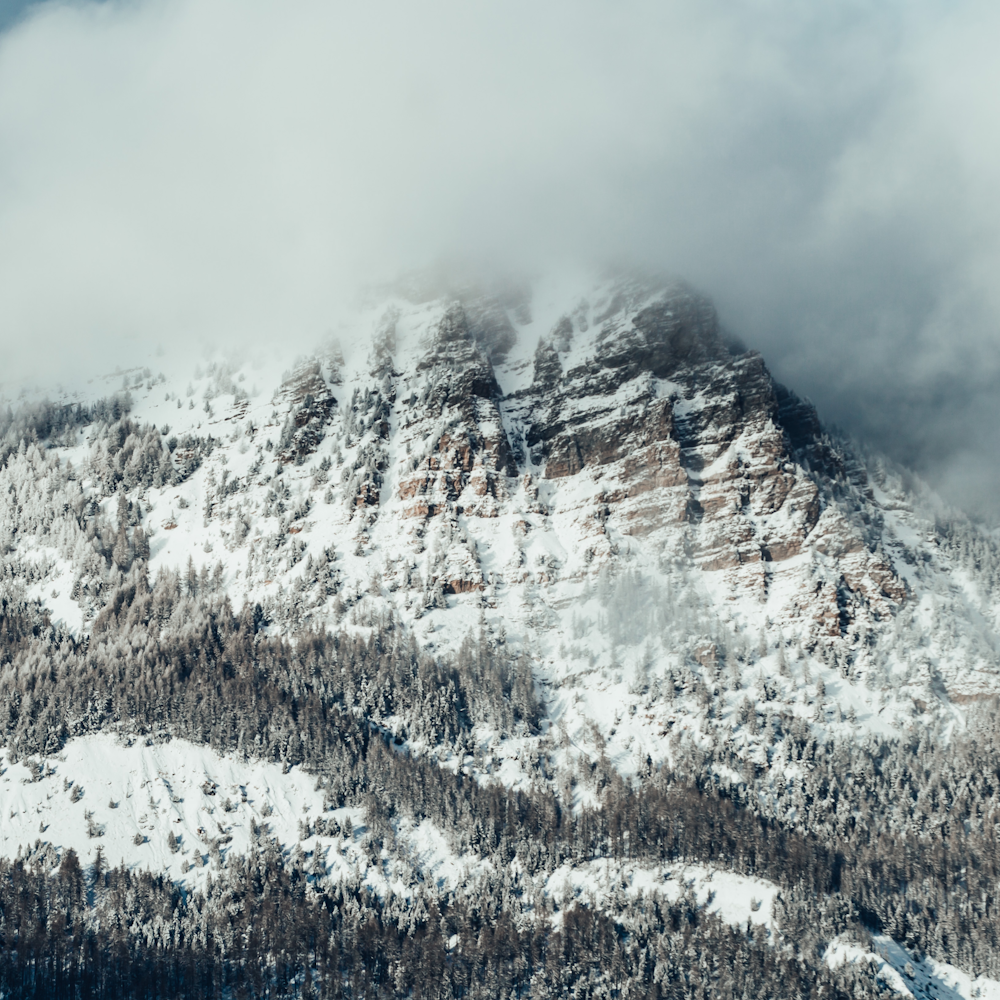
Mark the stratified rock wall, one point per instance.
(587, 470)
(659, 429)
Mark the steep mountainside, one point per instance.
(570, 538)
(595, 474)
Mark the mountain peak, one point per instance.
(505, 453)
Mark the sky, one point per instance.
(184, 173)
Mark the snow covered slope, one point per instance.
(128, 801)
(182, 809)
(586, 472)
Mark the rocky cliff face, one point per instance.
(642, 424)
(591, 473)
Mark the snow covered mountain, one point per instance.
(585, 489)
(593, 473)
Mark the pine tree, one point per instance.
(120, 552)
(140, 544)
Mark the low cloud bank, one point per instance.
(179, 173)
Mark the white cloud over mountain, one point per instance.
(178, 172)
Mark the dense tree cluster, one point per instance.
(54, 422)
(271, 926)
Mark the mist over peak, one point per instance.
(182, 174)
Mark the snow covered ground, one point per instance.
(736, 899)
(925, 979)
(128, 800)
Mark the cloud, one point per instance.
(177, 172)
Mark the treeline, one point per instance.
(32, 423)
(914, 820)
(174, 659)
(270, 926)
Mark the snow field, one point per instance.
(127, 800)
(924, 979)
(128, 793)
(124, 794)
(736, 899)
